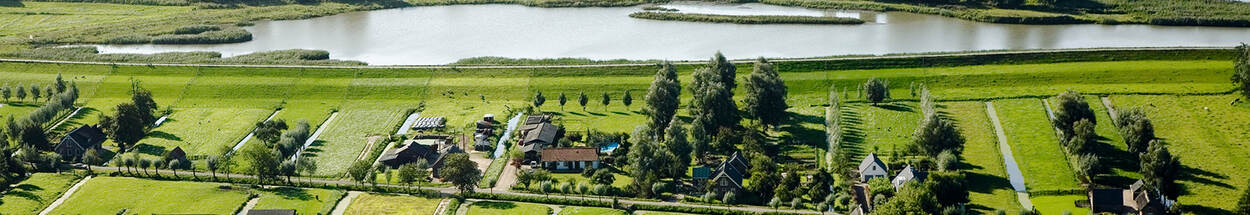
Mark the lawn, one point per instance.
(885, 129)
(392, 204)
(507, 208)
(574, 210)
(304, 201)
(348, 135)
(202, 131)
(36, 193)
(1210, 138)
(989, 188)
(1059, 204)
(16, 109)
(621, 180)
(141, 196)
(1035, 147)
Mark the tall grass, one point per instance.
(715, 18)
(230, 35)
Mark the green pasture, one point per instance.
(885, 129)
(1035, 146)
(347, 137)
(36, 193)
(142, 196)
(392, 204)
(989, 188)
(1059, 204)
(303, 200)
(1209, 136)
(507, 208)
(1122, 164)
(574, 210)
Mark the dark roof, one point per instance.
(481, 140)
(1102, 199)
(863, 196)
(869, 160)
(571, 154)
(177, 153)
(535, 119)
(531, 147)
(410, 151)
(85, 136)
(701, 173)
(271, 212)
(1137, 186)
(544, 133)
(739, 162)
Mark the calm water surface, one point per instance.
(444, 34)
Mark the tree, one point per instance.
(265, 163)
(461, 172)
(937, 134)
(582, 100)
(788, 183)
(818, 187)
(662, 99)
(142, 99)
(1071, 108)
(912, 199)
(645, 158)
(764, 176)
(1083, 138)
(766, 94)
(1160, 169)
(877, 90)
(306, 165)
(33, 135)
(679, 145)
(144, 164)
(730, 198)
(563, 99)
(1088, 166)
(539, 99)
(1241, 69)
(174, 165)
(91, 157)
(774, 203)
(35, 92)
(288, 169)
(606, 100)
(950, 187)
(712, 106)
(603, 176)
(60, 83)
(947, 161)
(270, 131)
(126, 127)
(6, 92)
(727, 72)
(627, 100)
(1136, 128)
(21, 92)
(212, 163)
(411, 173)
(359, 171)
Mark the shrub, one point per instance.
(230, 35)
(129, 39)
(196, 29)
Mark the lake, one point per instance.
(444, 34)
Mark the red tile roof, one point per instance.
(570, 154)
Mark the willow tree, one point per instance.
(766, 94)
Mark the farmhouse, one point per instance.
(1135, 200)
(872, 167)
(727, 178)
(570, 159)
(77, 142)
(432, 151)
(537, 137)
(908, 174)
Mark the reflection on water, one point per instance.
(444, 34)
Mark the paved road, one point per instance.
(627, 64)
(453, 190)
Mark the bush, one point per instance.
(129, 39)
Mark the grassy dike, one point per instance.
(714, 18)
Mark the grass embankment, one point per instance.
(1155, 12)
(36, 193)
(716, 18)
(1209, 137)
(988, 186)
(90, 53)
(391, 204)
(507, 208)
(303, 200)
(141, 196)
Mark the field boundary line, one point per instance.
(250, 135)
(64, 196)
(814, 59)
(1015, 177)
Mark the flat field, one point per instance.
(392, 204)
(303, 200)
(989, 188)
(507, 208)
(141, 196)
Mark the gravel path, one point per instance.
(249, 135)
(340, 208)
(316, 134)
(251, 203)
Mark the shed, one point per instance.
(872, 167)
(544, 133)
(177, 153)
